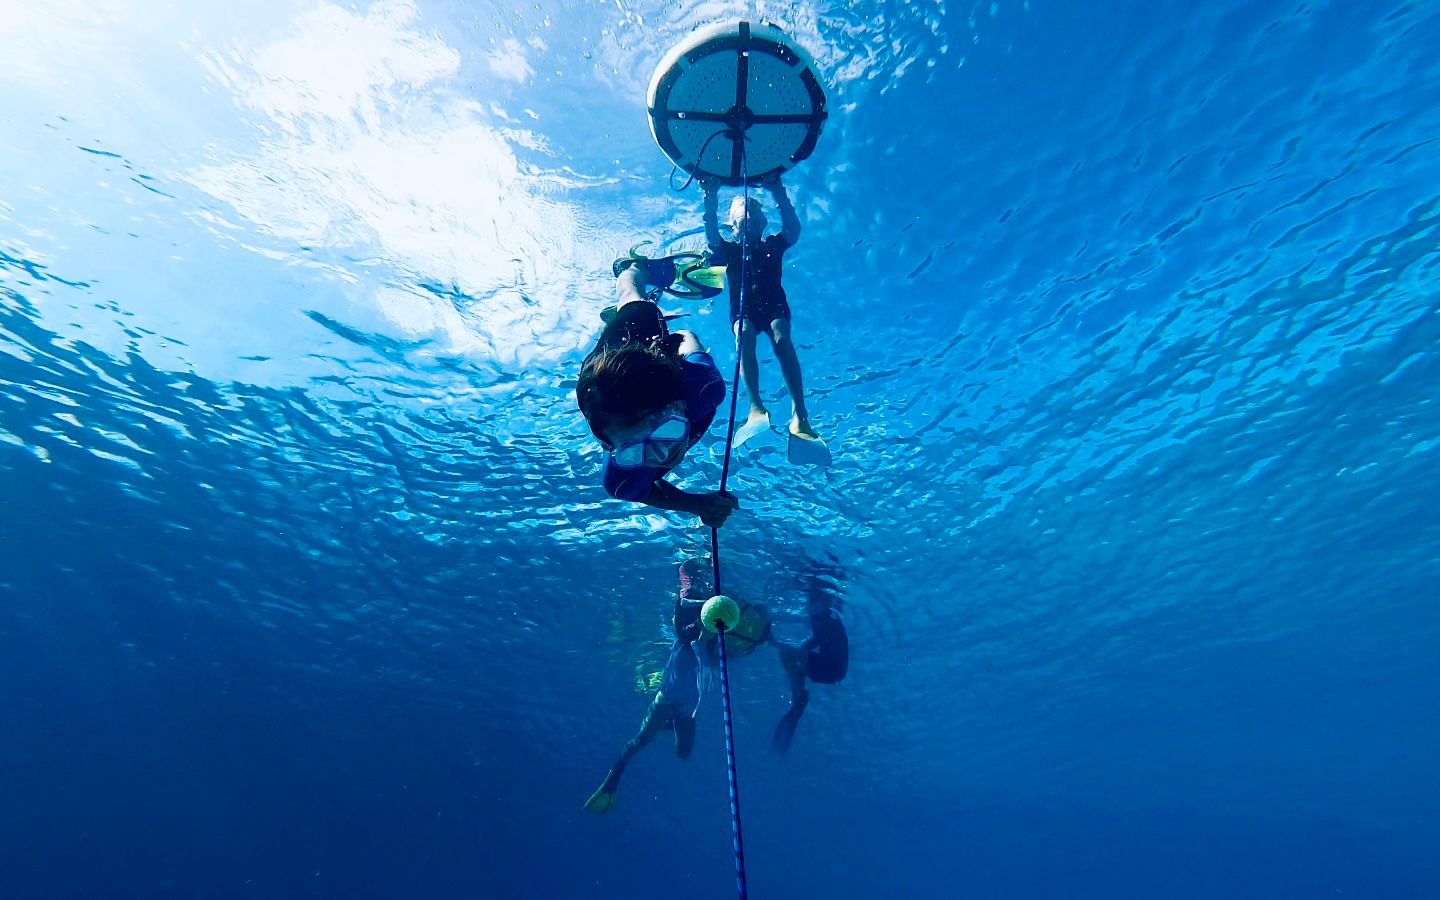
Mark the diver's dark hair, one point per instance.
(626, 381)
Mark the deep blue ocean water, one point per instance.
(1122, 320)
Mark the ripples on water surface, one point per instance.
(1121, 320)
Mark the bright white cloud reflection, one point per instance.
(372, 151)
(509, 62)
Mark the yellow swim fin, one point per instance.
(603, 800)
(754, 426)
(808, 450)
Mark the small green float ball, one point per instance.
(720, 610)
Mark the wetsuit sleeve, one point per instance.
(628, 484)
(704, 391)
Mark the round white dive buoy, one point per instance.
(737, 102)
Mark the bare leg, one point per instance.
(656, 720)
(790, 369)
(749, 367)
(629, 287)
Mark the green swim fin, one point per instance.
(631, 257)
(687, 274)
(702, 279)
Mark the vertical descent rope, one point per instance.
(730, 770)
(724, 477)
(735, 380)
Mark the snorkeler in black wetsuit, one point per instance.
(823, 658)
(766, 307)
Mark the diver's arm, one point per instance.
(713, 508)
(789, 219)
(710, 191)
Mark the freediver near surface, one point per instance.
(648, 395)
(823, 658)
(766, 307)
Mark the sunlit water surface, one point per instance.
(1120, 319)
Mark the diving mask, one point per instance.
(661, 447)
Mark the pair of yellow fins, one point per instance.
(803, 450)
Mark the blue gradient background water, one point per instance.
(1122, 321)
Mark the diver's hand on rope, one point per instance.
(714, 508)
